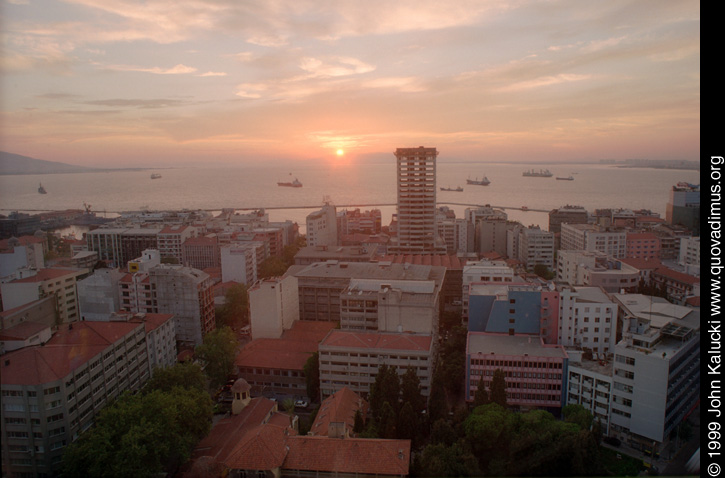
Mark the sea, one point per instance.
(348, 184)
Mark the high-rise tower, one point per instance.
(417, 233)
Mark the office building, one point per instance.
(322, 227)
(683, 208)
(587, 319)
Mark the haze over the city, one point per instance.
(166, 82)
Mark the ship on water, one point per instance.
(570, 178)
(482, 182)
(41, 189)
(541, 173)
(155, 176)
(457, 189)
(293, 184)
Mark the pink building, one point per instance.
(643, 245)
(534, 370)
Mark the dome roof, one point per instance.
(241, 386)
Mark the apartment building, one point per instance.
(273, 306)
(322, 229)
(170, 239)
(201, 252)
(534, 371)
(320, 285)
(187, 294)
(482, 272)
(690, 254)
(240, 260)
(119, 245)
(587, 319)
(351, 359)
(656, 369)
(566, 215)
(591, 237)
(99, 294)
(536, 247)
(643, 245)
(490, 229)
(596, 269)
(514, 309)
(21, 252)
(683, 207)
(52, 393)
(416, 179)
(589, 384)
(32, 285)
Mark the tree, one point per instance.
(543, 271)
(443, 433)
(407, 425)
(386, 388)
(141, 435)
(482, 396)
(359, 423)
(185, 375)
(498, 388)
(410, 390)
(387, 422)
(437, 404)
(272, 267)
(575, 413)
(235, 311)
(312, 377)
(218, 352)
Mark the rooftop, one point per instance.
(377, 340)
(514, 345)
(338, 407)
(68, 349)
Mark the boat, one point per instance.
(541, 173)
(524, 208)
(458, 189)
(294, 184)
(570, 178)
(155, 176)
(41, 189)
(483, 181)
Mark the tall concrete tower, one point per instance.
(417, 232)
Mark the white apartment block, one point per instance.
(53, 393)
(535, 247)
(322, 227)
(596, 269)
(32, 285)
(170, 239)
(589, 384)
(690, 254)
(390, 306)
(656, 369)
(148, 259)
(273, 306)
(99, 295)
(587, 319)
(240, 260)
(483, 271)
(351, 359)
(590, 237)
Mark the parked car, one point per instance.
(301, 403)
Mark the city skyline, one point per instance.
(163, 83)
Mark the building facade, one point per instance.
(416, 179)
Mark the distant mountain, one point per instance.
(16, 164)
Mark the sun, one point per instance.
(340, 152)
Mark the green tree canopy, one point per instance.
(498, 388)
(185, 375)
(386, 388)
(312, 377)
(410, 390)
(235, 311)
(272, 267)
(218, 352)
(141, 435)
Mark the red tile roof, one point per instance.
(642, 264)
(223, 438)
(349, 455)
(67, 350)
(339, 407)
(261, 448)
(290, 352)
(678, 276)
(373, 340)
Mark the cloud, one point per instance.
(334, 66)
(174, 70)
(213, 73)
(138, 103)
(545, 81)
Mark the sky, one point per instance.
(182, 82)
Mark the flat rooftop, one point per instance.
(514, 345)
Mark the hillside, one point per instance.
(16, 164)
